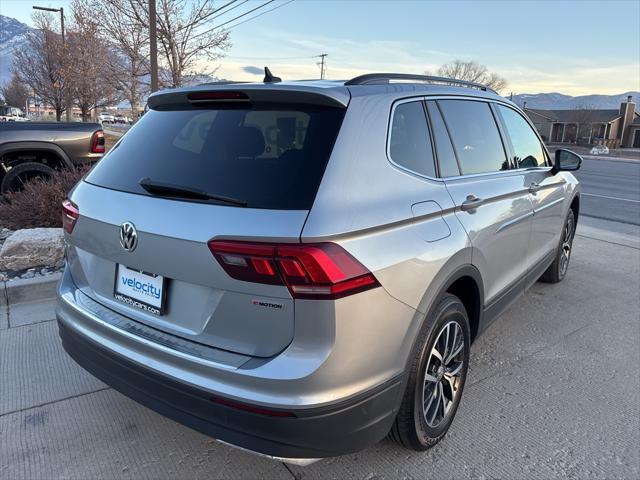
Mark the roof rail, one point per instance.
(384, 78)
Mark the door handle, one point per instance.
(534, 187)
(471, 203)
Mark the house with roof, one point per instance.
(613, 128)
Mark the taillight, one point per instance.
(70, 214)
(97, 142)
(317, 271)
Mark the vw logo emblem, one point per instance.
(128, 236)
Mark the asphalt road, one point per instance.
(610, 190)
(553, 392)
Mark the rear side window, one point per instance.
(444, 150)
(527, 150)
(409, 142)
(475, 136)
(267, 157)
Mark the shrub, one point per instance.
(39, 204)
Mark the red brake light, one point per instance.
(97, 142)
(70, 215)
(219, 95)
(318, 271)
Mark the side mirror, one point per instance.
(566, 161)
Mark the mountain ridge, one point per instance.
(560, 101)
(13, 35)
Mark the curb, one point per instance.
(29, 289)
(611, 159)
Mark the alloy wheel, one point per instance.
(567, 239)
(443, 375)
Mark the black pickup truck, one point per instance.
(31, 149)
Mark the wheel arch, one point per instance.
(467, 286)
(47, 147)
(465, 282)
(456, 280)
(575, 206)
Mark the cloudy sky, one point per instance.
(572, 47)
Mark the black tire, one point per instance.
(15, 178)
(411, 428)
(558, 269)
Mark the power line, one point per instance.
(235, 18)
(212, 12)
(232, 8)
(260, 14)
(246, 13)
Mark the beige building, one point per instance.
(614, 128)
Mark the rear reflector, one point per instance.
(313, 271)
(251, 408)
(70, 214)
(97, 142)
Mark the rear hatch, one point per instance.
(196, 168)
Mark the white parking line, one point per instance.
(611, 198)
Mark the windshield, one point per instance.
(269, 157)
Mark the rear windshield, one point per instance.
(267, 157)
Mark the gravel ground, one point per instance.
(553, 392)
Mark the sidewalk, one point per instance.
(553, 391)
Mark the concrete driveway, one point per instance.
(553, 391)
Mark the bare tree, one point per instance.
(472, 71)
(128, 42)
(14, 92)
(584, 128)
(88, 66)
(185, 34)
(40, 66)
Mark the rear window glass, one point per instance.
(410, 144)
(475, 136)
(269, 158)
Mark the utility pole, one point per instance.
(67, 98)
(321, 64)
(153, 45)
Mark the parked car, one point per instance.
(299, 269)
(29, 150)
(106, 117)
(12, 114)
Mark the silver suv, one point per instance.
(299, 269)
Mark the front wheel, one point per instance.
(558, 269)
(437, 377)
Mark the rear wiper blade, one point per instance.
(161, 188)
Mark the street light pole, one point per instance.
(68, 107)
(153, 45)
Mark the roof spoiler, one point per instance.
(208, 96)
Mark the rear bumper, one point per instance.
(312, 433)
